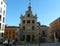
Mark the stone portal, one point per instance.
(28, 38)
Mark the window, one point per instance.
(23, 37)
(32, 27)
(43, 34)
(23, 21)
(0, 25)
(2, 35)
(32, 21)
(4, 5)
(56, 34)
(28, 15)
(0, 17)
(28, 21)
(4, 12)
(3, 19)
(13, 36)
(0, 9)
(13, 32)
(23, 27)
(1, 3)
(9, 32)
(9, 36)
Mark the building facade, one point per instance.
(11, 33)
(55, 30)
(29, 27)
(44, 33)
(2, 18)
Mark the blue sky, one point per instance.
(46, 10)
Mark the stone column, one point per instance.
(56, 39)
(25, 37)
(31, 38)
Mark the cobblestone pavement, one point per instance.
(42, 44)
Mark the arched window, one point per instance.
(28, 15)
(28, 21)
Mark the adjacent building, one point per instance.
(44, 33)
(2, 18)
(29, 28)
(11, 33)
(55, 30)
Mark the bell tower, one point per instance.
(29, 5)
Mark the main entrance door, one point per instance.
(28, 38)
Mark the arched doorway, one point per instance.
(28, 38)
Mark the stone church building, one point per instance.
(29, 27)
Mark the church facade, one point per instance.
(29, 27)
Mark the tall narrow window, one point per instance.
(32, 21)
(23, 27)
(32, 27)
(2, 35)
(23, 37)
(13, 36)
(0, 17)
(28, 15)
(3, 19)
(9, 32)
(0, 25)
(4, 12)
(56, 34)
(43, 34)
